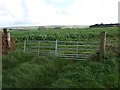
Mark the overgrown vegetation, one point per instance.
(30, 71)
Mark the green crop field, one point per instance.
(64, 34)
(24, 70)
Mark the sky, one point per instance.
(57, 12)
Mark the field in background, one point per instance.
(65, 34)
(28, 70)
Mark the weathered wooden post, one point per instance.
(0, 42)
(7, 36)
(8, 39)
(102, 45)
(0, 59)
(119, 39)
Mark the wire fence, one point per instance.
(73, 50)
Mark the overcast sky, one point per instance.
(57, 12)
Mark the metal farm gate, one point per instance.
(73, 50)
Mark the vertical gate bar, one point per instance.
(38, 48)
(56, 48)
(24, 46)
(77, 51)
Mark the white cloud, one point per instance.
(94, 11)
(12, 12)
(17, 12)
(57, 1)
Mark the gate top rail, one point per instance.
(71, 41)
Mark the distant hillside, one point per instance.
(62, 26)
(45, 27)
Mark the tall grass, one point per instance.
(26, 71)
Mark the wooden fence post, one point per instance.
(102, 45)
(24, 46)
(8, 39)
(119, 40)
(56, 51)
(7, 36)
(0, 43)
(1, 59)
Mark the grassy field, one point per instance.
(29, 71)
